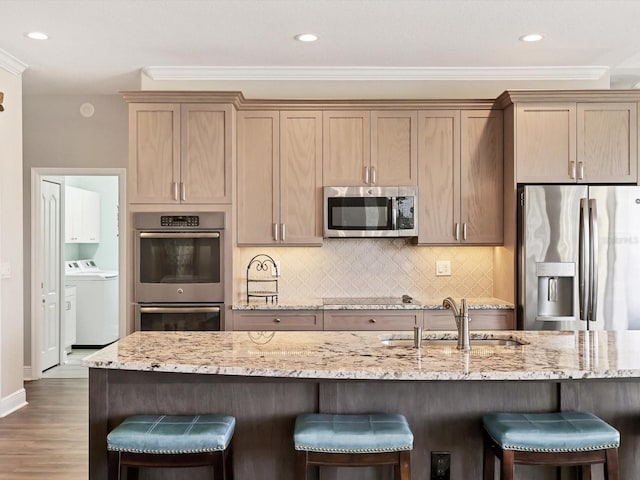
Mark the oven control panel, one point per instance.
(179, 221)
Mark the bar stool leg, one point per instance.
(113, 459)
(585, 472)
(507, 465)
(489, 461)
(301, 465)
(611, 466)
(403, 469)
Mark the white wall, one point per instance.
(12, 394)
(57, 135)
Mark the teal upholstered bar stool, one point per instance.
(561, 439)
(353, 441)
(171, 441)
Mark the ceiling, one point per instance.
(101, 46)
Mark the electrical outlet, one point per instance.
(443, 268)
(440, 465)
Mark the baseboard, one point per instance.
(13, 402)
(26, 373)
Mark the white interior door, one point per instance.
(50, 315)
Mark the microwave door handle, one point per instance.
(179, 309)
(394, 213)
(180, 235)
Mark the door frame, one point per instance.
(37, 175)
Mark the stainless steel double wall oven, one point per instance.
(179, 271)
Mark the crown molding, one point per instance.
(11, 64)
(374, 73)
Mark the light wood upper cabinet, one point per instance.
(481, 176)
(279, 178)
(258, 176)
(607, 142)
(394, 148)
(584, 142)
(439, 176)
(180, 153)
(363, 148)
(346, 148)
(545, 142)
(460, 162)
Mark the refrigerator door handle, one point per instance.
(583, 248)
(593, 260)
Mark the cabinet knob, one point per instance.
(277, 320)
(180, 291)
(372, 320)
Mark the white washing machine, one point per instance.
(96, 302)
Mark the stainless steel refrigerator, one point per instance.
(579, 257)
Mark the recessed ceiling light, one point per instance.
(37, 36)
(531, 37)
(306, 37)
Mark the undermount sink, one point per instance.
(449, 341)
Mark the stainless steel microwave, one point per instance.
(370, 211)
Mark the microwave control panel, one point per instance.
(406, 216)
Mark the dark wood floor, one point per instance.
(48, 439)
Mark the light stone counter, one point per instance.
(484, 303)
(362, 355)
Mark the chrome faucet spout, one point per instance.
(461, 315)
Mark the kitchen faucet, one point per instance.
(461, 314)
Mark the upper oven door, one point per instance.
(179, 266)
(360, 212)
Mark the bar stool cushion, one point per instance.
(550, 432)
(377, 433)
(172, 434)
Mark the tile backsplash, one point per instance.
(372, 268)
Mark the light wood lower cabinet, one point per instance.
(278, 320)
(372, 319)
(479, 320)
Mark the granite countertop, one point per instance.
(544, 355)
(373, 303)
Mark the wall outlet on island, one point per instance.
(440, 465)
(443, 268)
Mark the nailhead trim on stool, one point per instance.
(172, 441)
(353, 441)
(559, 438)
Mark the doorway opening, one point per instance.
(78, 273)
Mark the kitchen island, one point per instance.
(265, 379)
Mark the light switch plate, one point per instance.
(443, 268)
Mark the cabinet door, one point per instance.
(481, 185)
(278, 320)
(394, 140)
(607, 142)
(91, 216)
(205, 169)
(479, 320)
(346, 148)
(545, 143)
(72, 214)
(372, 320)
(301, 178)
(258, 177)
(154, 152)
(439, 177)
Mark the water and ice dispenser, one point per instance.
(556, 287)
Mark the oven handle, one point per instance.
(180, 235)
(179, 309)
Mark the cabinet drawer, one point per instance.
(479, 320)
(372, 320)
(278, 320)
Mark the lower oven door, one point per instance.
(179, 317)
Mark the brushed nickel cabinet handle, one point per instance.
(275, 232)
(572, 170)
(366, 175)
(284, 233)
(464, 231)
(183, 188)
(581, 170)
(175, 191)
(373, 175)
(456, 231)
